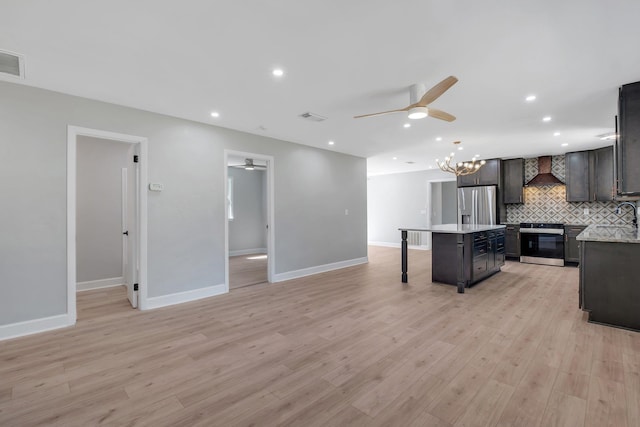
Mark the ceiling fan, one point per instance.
(418, 108)
(248, 165)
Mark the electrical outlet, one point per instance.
(156, 186)
(586, 211)
(346, 211)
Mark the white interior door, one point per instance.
(129, 258)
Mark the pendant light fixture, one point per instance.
(460, 168)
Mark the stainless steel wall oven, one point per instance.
(542, 243)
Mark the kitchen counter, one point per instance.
(462, 255)
(455, 228)
(610, 233)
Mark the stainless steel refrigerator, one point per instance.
(477, 205)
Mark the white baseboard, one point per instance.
(187, 296)
(318, 269)
(101, 283)
(248, 251)
(397, 245)
(15, 330)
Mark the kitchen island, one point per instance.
(462, 254)
(609, 275)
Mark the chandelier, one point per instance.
(460, 168)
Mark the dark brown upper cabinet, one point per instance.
(489, 174)
(513, 180)
(589, 175)
(628, 143)
(577, 176)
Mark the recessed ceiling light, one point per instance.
(395, 158)
(407, 125)
(546, 119)
(477, 155)
(460, 148)
(556, 134)
(530, 98)
(215, 114)
(564, 144)
(278, 72)
(439, 138)
(331, 142)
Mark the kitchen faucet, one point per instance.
(635, 212)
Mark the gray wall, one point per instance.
(99, 207)
(247, 230)
(313, 187)
(398, 200)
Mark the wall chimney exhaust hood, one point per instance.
(544, 177)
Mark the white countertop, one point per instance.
(610, 233)
(455, 228)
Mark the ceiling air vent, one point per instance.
(11, 64)
(313, 117)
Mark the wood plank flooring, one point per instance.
(349, 347)
(246, 270)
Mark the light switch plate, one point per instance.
(156, 186)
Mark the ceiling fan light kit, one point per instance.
(418, 113)
(419, 110)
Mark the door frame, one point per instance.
(271, 261)
(72, 135)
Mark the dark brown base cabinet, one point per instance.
(512, 241)
(465, 259)
(609, 287)
(571, 245)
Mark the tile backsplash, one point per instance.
(548, 203)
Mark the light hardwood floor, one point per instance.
(246, 270)
(349, 347)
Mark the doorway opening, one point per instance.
(106, 218)
(249, 219)
(443, 204)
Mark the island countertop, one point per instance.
(610, 233)
(455, 228)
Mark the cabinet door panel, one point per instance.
(577, 176)
(512, 241)
(513, 180)
(489, 174)
(603, 176)
(571, 245)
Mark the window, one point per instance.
(230, 198)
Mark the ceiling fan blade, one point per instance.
(435, 92)
(382, 112)
(438, 114)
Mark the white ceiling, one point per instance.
(344, 58)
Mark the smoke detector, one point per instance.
(11, 64)
(313, 117)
